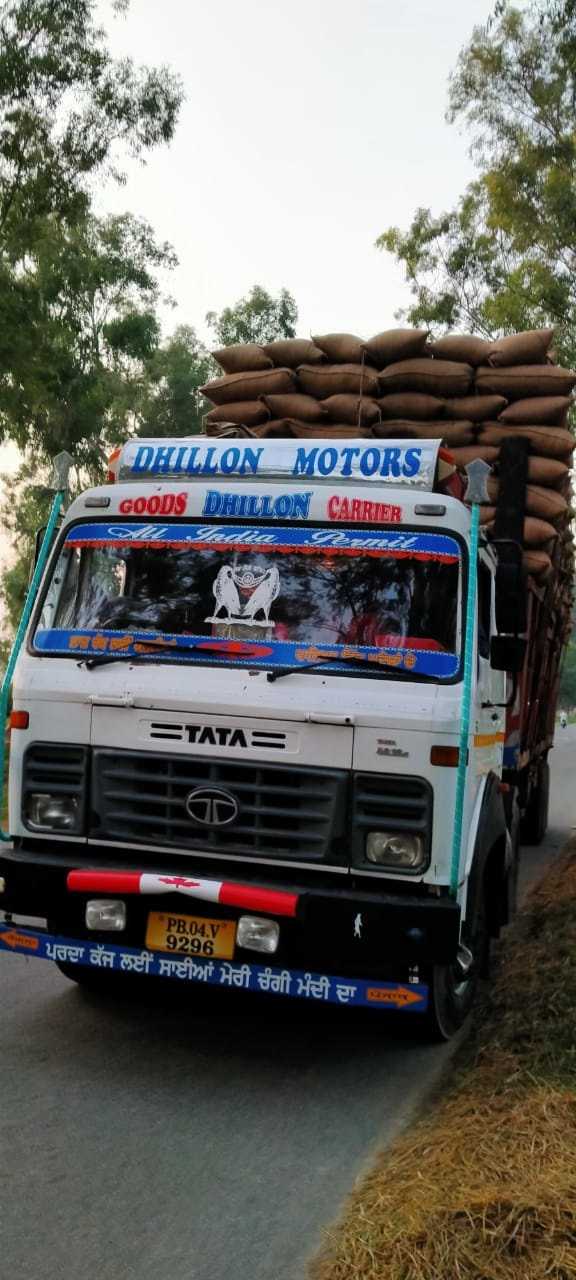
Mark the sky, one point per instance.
(308, 128)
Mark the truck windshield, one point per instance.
(275, 597)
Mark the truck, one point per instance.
(280, 713)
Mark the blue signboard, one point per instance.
(321, 988)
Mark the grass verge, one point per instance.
(484, 1186)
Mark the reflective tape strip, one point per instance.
(251, 897)
(488, 739)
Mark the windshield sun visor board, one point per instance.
(282, 596)
(410, 465)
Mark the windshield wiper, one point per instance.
(158, 646)
(382, 669)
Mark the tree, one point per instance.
(88, 330)
(503, 259)
(257, 318)
(67, 110)
(172, 405)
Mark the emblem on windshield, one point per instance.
(211, 807)
(241, 594)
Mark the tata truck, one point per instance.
(279, 712)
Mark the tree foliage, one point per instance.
(87, 331)
(259, 317)
(172, 404)
(504, 258)
(67, 111)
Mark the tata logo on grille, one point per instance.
(211, 807)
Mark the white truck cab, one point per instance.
(239, 739)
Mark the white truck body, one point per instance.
(388, 715)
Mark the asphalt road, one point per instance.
(195, 1141)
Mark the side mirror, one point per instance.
(507, 653)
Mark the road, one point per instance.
(195, 1142)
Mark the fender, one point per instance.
(491, 830)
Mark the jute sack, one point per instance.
(537, 563)
(452, 433)
(530, 347)
(249, 386)
(303, 408)
(462, 347)
(537, 411)
(286, 428)
(412, 404)
(549, 472)
(525, 380)
(395, 344)
(337, 379)
(433, 377)
(242, 357)
(488, 453)
(234, 429)
(247, 412)
(340, 348)
(288, 353)
(549, 442)
(547, 504)
(474, 408)
(357, 410)
(536, 532)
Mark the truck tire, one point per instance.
(451, 991)
(535, 817)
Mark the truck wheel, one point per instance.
(453, 987)
(535, 817)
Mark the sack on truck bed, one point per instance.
(340, 348)
(549, 442)
(338, 379)
(249, 386)
(525, 380)
(452, 433)
(537, 411)
(547, 504)
(537, 533)
(249, 413)
(357, 410)
(462, 347)
(304, 408)
(537, 563)
(395, 344)
(433, 377)
(288, 353)
(475, 408)
(406, 405)
(242, 357)
(531, 347)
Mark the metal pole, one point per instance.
(62, 465)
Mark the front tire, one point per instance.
(453, 987)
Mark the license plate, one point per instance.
(191, 935)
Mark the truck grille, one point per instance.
(284, 813)
(390, 802)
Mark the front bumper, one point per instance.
(336, 927)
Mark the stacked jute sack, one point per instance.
(470, 393)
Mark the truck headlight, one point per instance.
(44, 812)
(390, 849)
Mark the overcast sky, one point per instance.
(308, 128)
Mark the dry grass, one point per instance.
(484, 1188)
